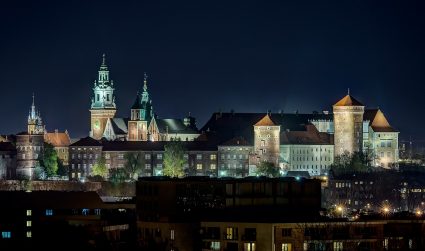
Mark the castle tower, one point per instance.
(267, 140)
(103, 102)
(348, 120)
(30, 144)
(141, 115)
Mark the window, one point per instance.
(29, 223)
(186, 156)
(107, 156)
(172, 234)
(286, 246)
(107, 97)
(215, 245)
(338, 246)
(286, 232)
(6, 234)
(198, 156)
(29, 212)
(29, 234)
(97, 211)
(249, 246)
(159, 156)
(231, 233)
(222, 156)
(199, 166)
(212, 166)
(120, 156)
(213, 157)
(49, 212)
(388, 143)
(388, 154)
(158, 165)
(147, 156)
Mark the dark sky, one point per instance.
(203, 56)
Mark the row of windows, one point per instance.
(309, 166)
(84, 156)
(234, 156)
(233, 166)
(382, 154)
(304, 151)
(326, 158)
(29, 148)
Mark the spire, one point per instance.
(104, 59)
(145, 80)
(348, 91)
(33, 99)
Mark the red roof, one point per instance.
(265, 121)
(348, 100)
(58, 139)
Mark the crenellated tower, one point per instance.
(103, 102)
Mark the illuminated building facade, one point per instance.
(102, 103)
(60, 142)
(267, 140)
(348, 121)
(143, 124)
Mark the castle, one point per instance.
(229, 144)
(233, 144)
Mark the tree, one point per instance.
(62, 169)
(49, 160)
(133, 165)
(355, 162)
(174, 159)
(268, 169)
(118, 175)
(99, 169)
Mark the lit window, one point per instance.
(212, 166)
(147, 166)
(199, 166)
(231, 233)
(215, 245)
(199, 156)
(29, 234)
(172, 234)
(6, 234)
(49, 212)
(249, 246)
(29, 223)
(338, 246)
(120, 156)
(213, 157)
(107, 156)
(147, 156)
(29, 212)
(159, 156)
(286, 247)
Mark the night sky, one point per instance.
(203, 56)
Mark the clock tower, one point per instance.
(102, 103)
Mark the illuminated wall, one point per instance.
(98, 120)
(348, 135)
(266, 143)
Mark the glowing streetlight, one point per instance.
(418, 213)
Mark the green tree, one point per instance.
(118, 175)
(174, 159)
(49, 160)
(355, 162)
(62, 169)
(268, 169)
(99, 169)
(133, 165)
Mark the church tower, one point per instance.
(348, 120)
(141, 115)
(102, 103)
(35, 124)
